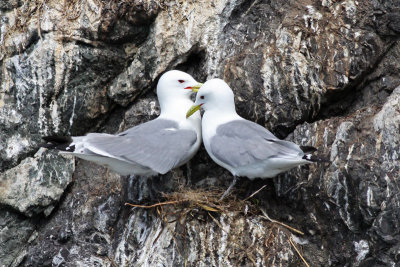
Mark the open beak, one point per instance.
(192, 110)
(194, 88)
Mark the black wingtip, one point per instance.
(58, 142)
(57, 139)
(308, 150)
(314, 158)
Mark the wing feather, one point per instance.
(241, 142)
(158, 144)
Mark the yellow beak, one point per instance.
(192, 110)
(196, 87)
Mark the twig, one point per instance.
(79, 39)
(280, 223)
(252, 195)
(159, 234)
(298, 252)
(155, 205)
(39, 15)
(217, 222)
(173, 237)
(251, 258)
(207, 208)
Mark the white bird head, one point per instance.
(215, 94)
(176, 84)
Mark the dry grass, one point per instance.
(194, 200)
(24, 15)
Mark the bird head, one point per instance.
(215, 94)
(175, 83)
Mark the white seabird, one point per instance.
(241, 146)
(151, 148)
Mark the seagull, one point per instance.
(241, 146)
(151, 148)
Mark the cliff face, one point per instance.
(321, 73)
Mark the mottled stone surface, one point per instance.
(82, 230)
(37, 183)
(317, 72)
(359, 187)
(15, 232)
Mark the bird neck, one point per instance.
(175, 108)
(221, 115)
(224, 108)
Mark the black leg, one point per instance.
(229, 188)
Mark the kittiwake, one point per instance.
(151, 148)
(241, 146)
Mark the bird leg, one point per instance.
(131, 180)
(229, 188)
(188, 173)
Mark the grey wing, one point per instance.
(150, 127)
(239, 143)
(158, 144)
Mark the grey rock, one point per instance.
(357, 189)
(83, 229)
(15, 231)
(37, 183)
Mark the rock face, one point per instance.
(37, 183)
(322, 73)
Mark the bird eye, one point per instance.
(181, 81)
(202, 97)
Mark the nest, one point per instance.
(192, 200)
(205, 205)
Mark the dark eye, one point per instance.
(202, 97)
(181, 81)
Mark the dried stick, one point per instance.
(252, 195)
(155, 205)
(298, 252)
(280, 223)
